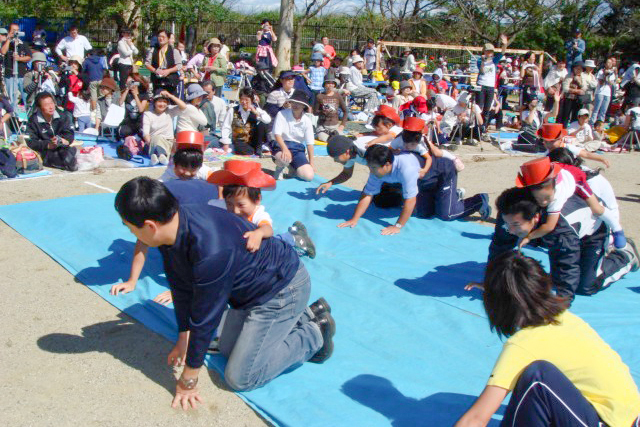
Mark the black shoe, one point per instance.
(328, 329)
(319, 307)
(632, 251)
(303, 242)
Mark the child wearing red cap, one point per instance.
(551, 185)
(187, 161)
(386, 126)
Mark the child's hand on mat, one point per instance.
(392, 229)
(184, 398)
(323, 188)
(471, 285)
(254, 239)
(123, 288)
(524, 242)
(164, 298)
(351, 223)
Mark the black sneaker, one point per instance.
(302, 241)
(319, 307)
(328, 329)
(632, 250)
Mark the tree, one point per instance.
(285, 33)
(311, 8)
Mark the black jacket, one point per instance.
(40, 132)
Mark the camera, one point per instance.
(40, 66)
(476, 88)
(133, 84)
(18, 34)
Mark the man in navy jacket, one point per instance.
(268, 328)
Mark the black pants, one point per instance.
(544, 396)
(568, 111)
(123, 73)
(441, 201)
(493, 115)
(254, 146)
(485, 99)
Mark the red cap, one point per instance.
(537, 171)
(414, 124)
(190, 139)
(389, 112)
(420, 104)
(241, 172)
(551, 131)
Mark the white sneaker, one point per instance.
(154, 160)
(163, 159)
(461, 192)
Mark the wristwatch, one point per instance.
(188, 384)
(398, 225)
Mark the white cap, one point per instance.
(583, 111)
(590, 63)
(356, 59)
(509, 60)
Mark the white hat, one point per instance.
(463, 98)
(590, 63)
(356, 59)
(344, 70)
(583, 111)
(509, 60)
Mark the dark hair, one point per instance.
(43, 95)
(85, 94)
(229, 191)
(411, 137)
(206, 83)
(370, 40)
(247, 92)
(517, 201)
(597, 123)
(562, 155)
(543, 184)
(378, 155)
(222, 38)
(191, 158)
(124, 31)
(385, 120)
(73, 27)
(142, 199)
(166, 33)
(265, 20)
(518, 294)
(431, 103)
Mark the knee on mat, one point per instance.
(305, 172)
(238, 383)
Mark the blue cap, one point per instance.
(287, 74)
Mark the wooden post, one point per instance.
(378, 56)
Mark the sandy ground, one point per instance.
(69, 358)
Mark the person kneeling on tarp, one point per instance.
(559, 370)
(268, 329)
(433, 195)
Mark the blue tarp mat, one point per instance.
(109, 147)
(412, 347)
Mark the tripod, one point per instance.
(473, 126)
(13, 121)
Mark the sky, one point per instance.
(263, 5)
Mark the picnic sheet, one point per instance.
(412, 347)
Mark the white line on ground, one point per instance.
(93, 184)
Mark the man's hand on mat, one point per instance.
(164, 298)
(123, 288)
(178, 354)
(184, 398)
(351, 223)
(392, 229)
(471, 285)
(323, 188)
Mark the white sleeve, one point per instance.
(263, 116)
(85, 42)
(564, 189)
(279, 124)
(308, 132)
(226, 127)
(60, 46)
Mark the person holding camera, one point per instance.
(264, 53)
(164, 62)
(50, 132)
(16, 56)
(135, 99)
(38, 80)
(127, 50)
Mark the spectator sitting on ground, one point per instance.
(327, 106)
(38, 74)
(583, 133)
(219, 106)
(437, 85)
(245, 125)
(418, 84)
(50, 132)
(157, 126)
(280, 96)
(405, 95)
(108, 94)
(199, 107)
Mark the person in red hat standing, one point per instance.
(551, 185)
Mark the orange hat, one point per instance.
(241, 172)
(388, 112)
(551, 131)
(190, 139)
(537, 171)
(414, 124)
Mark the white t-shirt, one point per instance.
(190, 118)
(609, 81)
(586, 134)
(290, 129)
(73, 47)
(260, 217)
(635, 124)
(420, 147)
(445, 102)
(565, 188)
(488, 78)
(170, 174)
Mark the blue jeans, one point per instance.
(15, 87)
(84, 122)
(600, 107)
(264, 341)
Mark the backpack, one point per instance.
(7, 163)
(27, 160)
